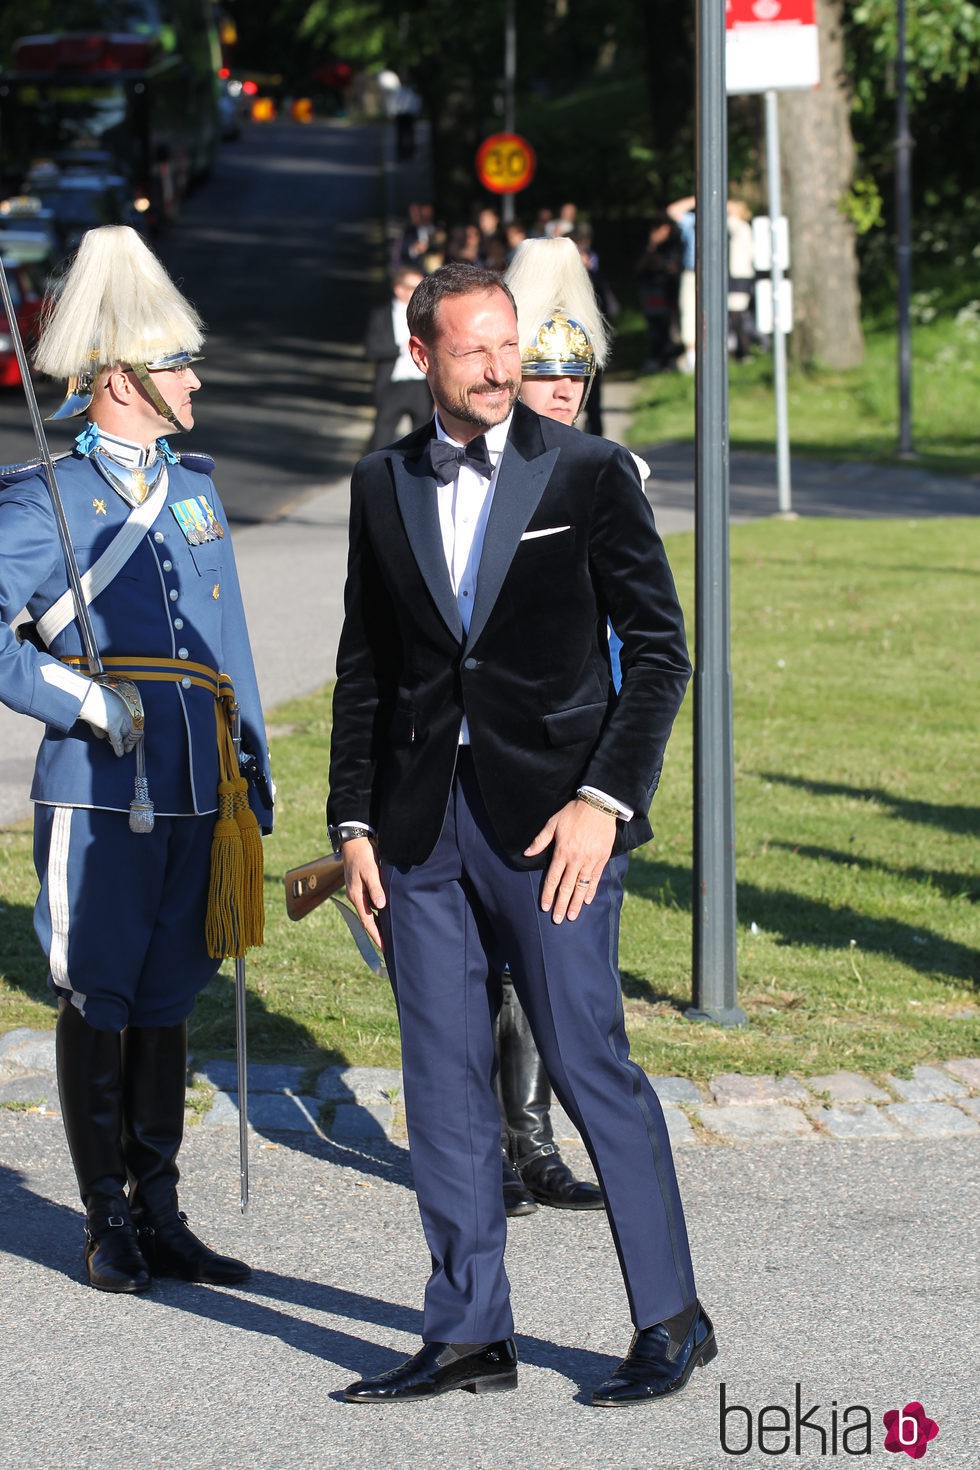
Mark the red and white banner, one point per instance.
(770, 45)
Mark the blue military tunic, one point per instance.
(114, 901)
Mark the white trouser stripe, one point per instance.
(58, 895)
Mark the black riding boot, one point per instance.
(518, 1199)
(525, 1094)
(90, 1087)
(154, 1063)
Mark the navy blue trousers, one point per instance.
(448, 925)
(121, 914)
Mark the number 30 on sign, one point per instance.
(505, 163)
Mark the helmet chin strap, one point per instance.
(156, 398)
(589, 382)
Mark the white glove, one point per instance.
(108, 714)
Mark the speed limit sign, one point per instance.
(505, 163)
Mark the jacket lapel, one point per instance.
(415, 491)
(524, 472)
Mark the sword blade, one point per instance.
(359, 935)
(82, 616)
(241, 1047)
(242, 1061)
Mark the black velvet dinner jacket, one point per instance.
(570, 542)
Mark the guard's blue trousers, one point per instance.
(121, 914)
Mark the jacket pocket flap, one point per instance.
(568, 726)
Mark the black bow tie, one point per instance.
(446, 458)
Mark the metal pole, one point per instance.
(714, 955)
(510, 72)
(775, 185)
(903, 212)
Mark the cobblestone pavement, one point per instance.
(361, 1105)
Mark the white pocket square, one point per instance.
(548, 531)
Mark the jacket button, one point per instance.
(168, 566)
(182, 653)
(158, 536)
(185, 682)
(178, 623)
(471, 663)
(174, 594)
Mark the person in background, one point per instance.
(658, 272)
(741, 279)
(493, 243)
(565, 222)
(515, 234)
(564, 342)
(415, 240)
(682, 213)
(399, 388)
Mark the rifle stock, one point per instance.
(312, 884)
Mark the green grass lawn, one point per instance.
(843, 414)
(856, 712)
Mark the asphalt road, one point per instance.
(281, 252)
(846, 1268)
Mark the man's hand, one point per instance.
(583, 839)
(363, 879)
(108, 714)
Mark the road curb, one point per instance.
(362, 1105)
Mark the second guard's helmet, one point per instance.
(561, 329)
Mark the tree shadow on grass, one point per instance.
(963, 820)
(791, 918)
(953, 885)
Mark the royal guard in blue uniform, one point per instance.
(564, 342)
(144, 824)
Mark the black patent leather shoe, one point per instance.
(113, 1257)
(518, 1199)
(657, 1365)
(551, 1182)
(172, 1249)
(439, 1367)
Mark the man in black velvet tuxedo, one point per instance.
(486, 782)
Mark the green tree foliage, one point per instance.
(942, 42)
(942, 69)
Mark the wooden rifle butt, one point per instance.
(312, 884)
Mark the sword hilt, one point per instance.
(141, 814)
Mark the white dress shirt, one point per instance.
(464, 509)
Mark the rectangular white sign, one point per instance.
(770, 45)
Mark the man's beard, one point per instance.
(468, 408)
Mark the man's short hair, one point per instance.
(455, 279)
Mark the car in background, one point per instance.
(26, 284)
(80, 198)
(27, 232)
(234, 107)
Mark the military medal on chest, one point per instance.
(197, 520)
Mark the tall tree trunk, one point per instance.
(818, 159)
